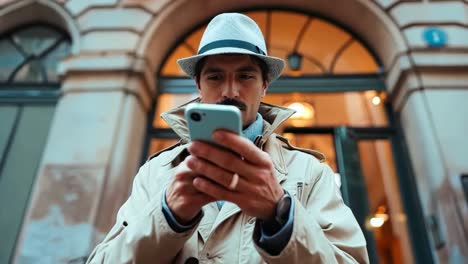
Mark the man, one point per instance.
(262, 200)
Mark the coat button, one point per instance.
(191, 260)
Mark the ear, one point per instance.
(197, 83)
(265, 88)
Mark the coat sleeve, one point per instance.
(141, 233)
(324, 229)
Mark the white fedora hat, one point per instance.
(232, 33)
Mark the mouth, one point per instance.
(233, 102)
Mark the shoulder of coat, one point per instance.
(165, 150)
(287, 145)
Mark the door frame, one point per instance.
(417, 228)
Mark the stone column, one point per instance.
(93, 152)
(429, 87)
(95, 142)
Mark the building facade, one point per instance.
(82, 84)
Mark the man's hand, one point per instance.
(183, 199)
(257, 191)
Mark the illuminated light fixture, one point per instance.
(303, 110)
(295, 61)
(379, 217)
(378, 220)
(376, 100)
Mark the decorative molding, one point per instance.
(434, 13)
(109, 81)
(78, 7)
(20, 12)
(110, 62)
(104, 19)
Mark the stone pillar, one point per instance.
(429, 88)
(93, 152)
(95, 142)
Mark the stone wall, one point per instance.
(109, 85)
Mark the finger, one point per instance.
(202, 198)
(182, 180)
(222, 158)
(242, 146)
(182, 171)
(213, 190)
(216, 174)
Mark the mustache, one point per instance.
(233, 102)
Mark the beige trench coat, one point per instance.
(324, 229)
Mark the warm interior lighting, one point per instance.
(303, 110)
(376, 100)
(378, 220)
(379, 217)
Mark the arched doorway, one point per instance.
(333, 80)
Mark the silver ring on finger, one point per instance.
(234, 181)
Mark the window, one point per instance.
(30, 56)
(312, 46)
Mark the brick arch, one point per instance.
(178, 18)
(21, 12)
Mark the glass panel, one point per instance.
(356, 109)
(320, 142)
(30, 72)
(355, 59)
(8, 115)
(387, 219)
(51, 61)
(321, 41)
(11, 58)
(285, 29)
(167, 102)
(194, 39)
(171, 68)
(159, 144)
(35, 40)
(16, 178)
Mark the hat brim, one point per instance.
(275, 65)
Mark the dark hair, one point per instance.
(262, 64)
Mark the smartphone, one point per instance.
(204, 119)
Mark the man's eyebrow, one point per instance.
(247, 69)
(212, 70)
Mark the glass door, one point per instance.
(367, 174)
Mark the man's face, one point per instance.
(235, 80)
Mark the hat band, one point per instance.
(231, 43)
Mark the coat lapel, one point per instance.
(274, 149)
(204, 228)
(229, 209)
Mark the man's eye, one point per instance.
(246, 76)
(214, 77)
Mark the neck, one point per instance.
(254, 129)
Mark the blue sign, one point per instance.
(435, 37)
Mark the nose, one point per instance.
(230, 88)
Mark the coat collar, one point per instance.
(273, 117)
